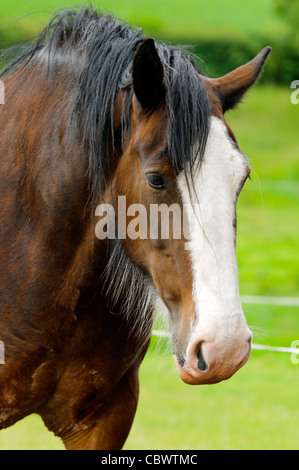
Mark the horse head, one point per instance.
(194, 271)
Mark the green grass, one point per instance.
(266, 126)
(29, 434)
(256, 409)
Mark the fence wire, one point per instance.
(262, 300)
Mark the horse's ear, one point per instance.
(231, 87)
(148, 75)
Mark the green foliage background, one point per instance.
(223, 34)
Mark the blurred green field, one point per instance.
(258, 407)
(266, 126)
(168, 18)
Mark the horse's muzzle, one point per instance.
(209, 362)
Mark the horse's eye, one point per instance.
(156, 181)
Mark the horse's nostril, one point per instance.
(201, 363)
(181, 359)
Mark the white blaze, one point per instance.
(212, 237)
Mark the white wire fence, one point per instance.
(261, 300)
(264, 300)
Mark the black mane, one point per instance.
(106, 47)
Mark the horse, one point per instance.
(96, 114)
